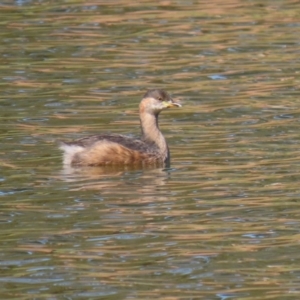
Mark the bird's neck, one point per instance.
(151, 133)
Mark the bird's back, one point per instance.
(109, 149)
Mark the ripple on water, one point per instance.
(222, 223)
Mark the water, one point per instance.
(222, 222)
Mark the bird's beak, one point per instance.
(171, 103)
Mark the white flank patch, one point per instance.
(69, 152)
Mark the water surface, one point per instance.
(222, 222)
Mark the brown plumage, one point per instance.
(113, 149)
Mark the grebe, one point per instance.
(114, 149)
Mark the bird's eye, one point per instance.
(159, 98)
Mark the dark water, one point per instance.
(223, 222)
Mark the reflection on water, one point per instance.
(223, 222)
(116, 179)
